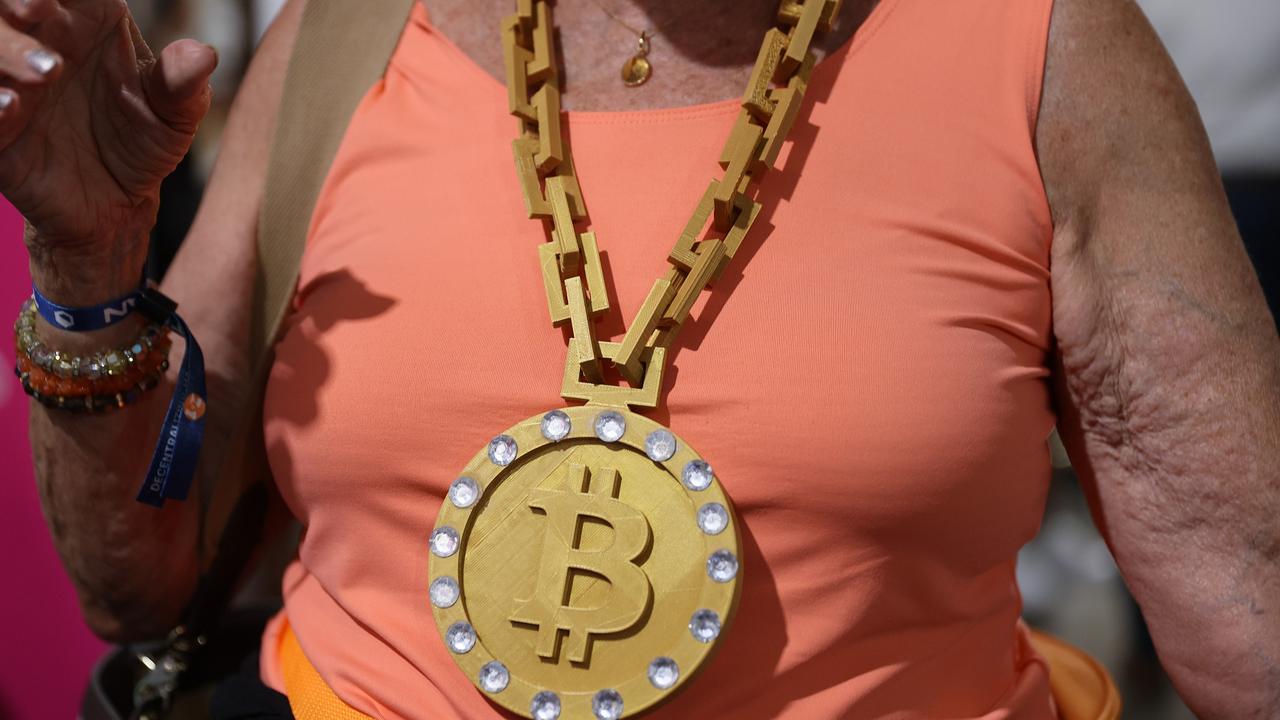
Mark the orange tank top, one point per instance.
(869, 378)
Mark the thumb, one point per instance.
(177, 84)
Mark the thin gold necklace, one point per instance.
(637, 69)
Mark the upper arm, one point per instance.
(213, 274)
(1168, 363)
(1158, 314)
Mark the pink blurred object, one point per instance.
(46, 651)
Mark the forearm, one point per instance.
(132, 564)
(1172, 414)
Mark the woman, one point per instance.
(993, 215)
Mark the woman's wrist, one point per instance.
(84, 275)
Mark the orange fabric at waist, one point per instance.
(1082, 688)
(309, 696)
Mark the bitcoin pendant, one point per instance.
(584, 565)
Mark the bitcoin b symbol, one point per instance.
(564, 560)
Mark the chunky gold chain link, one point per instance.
(570, 261)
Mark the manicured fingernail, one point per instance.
(6, 99)
(42, 61)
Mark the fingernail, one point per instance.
(42, 61)
(6, 99)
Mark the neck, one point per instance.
(681, 25)
(704, 51)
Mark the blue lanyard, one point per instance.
(173, 464)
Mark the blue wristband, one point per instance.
(173, 464)
(85, 319)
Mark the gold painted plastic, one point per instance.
(544, 167)
(565, 630)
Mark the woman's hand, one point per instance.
(91, 121)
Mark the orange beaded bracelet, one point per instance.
(102, 381)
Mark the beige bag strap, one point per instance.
(342, 49)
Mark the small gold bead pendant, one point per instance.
(637, 69)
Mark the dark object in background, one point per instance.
(179, 199)
(1255, 201)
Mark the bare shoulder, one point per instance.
(1115, 109)
(1137, 202)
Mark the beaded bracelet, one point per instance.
(102, 381)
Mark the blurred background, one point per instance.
(1229, 54)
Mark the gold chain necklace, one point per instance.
(585, 562)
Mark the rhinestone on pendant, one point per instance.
(660, 445)
(704, 625)
(444, 592)
(545, 706)
(556, 425)
(494, 677)
(607, 705)
(460, 637)
(464, 492)
(610, 426)
(444, 541)
(722, 566)
(713, 518)
(663, 673)
(697, 475)
(502, 450)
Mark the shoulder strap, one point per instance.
(341, 50)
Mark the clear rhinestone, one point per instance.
(556, 425)
(464, 492)
(63, 365)
(494, 677)
(444, 542)
(502, 450)
(705, 625)
(444, 591)
(610, 426)
(545, 706)
(697, 475)
(41, 356)
(607, 705)
(713, 518)
(663, 673)
(460, 637)
(722, 566)
(115, 363)
(660, 445)
(89, 368)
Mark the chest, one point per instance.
(879, 341)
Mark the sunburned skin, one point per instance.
(703, 51)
